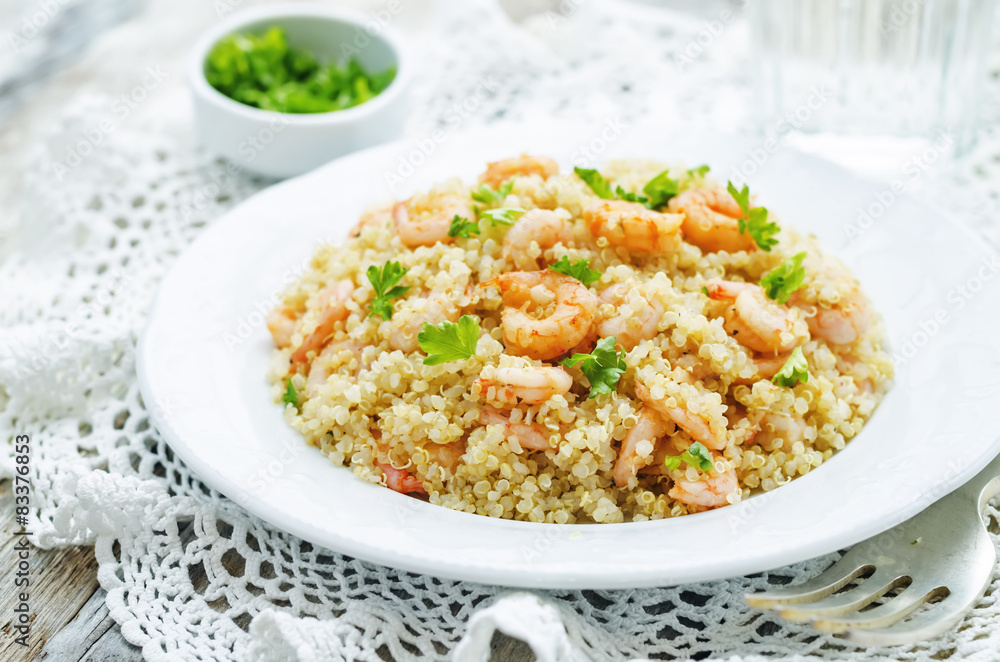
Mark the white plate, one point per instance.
(203, 356)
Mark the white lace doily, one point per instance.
(189, 574)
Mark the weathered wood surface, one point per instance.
(61, 582)
(71, 621)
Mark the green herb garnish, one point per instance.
(754, 220)
(700, 171)
(779, 283)
(579, 270)
(795, 371)
(384, 280)
(503, 215)
(462, 227)
(449, 341)
(622, 194)
(660, 189)
(603, 367)
(290, 396)
(263, 71)
(486, 195)
(596, 181)
(696, 455)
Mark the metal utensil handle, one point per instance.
(985, 485)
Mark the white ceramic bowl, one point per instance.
(287, 144)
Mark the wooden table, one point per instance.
(71, 621)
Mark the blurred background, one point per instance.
(873, 84)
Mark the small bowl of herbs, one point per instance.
(282, 89)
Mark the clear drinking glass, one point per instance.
(871, 79)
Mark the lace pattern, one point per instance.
(191, 575)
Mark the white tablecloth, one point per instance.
(104, 213)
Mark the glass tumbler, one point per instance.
(871, 80)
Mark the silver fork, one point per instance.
(943, 553)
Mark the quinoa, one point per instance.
(365, 404)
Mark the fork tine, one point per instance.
(850, 601)
(830, 580)
(939, 619)
(884, 615)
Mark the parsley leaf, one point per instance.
(290, 396)
(780, 282)
(486, 195)
(264, 71)
(579, 270)
(603, 367)
(384, 280)
(449, 341)
(660, 189)
(795, 371)
(754, 220)
(462, 227)
(696, 455)
(622, 194)
(742, 197)
(700, 171)
(596, 181)
(503, 215)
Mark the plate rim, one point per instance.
(526, 576)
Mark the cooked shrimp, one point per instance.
(849, 316)
(319, 369)
(539, 226)
(400, 480)
(426, 221)
(843, 323)
(377, 215)
(530, 436)
(767, 366)
(773, 427)
(711, 220)
(530, 385)
(281, 322)
(709, 491)
(405, 327)
(334, 301)
(547, 337)
(695, 367)
(634, 325)
(753, 319)
(650, 426)
(498, 172)
(447, 455)
(632, 226)
(697, 427)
